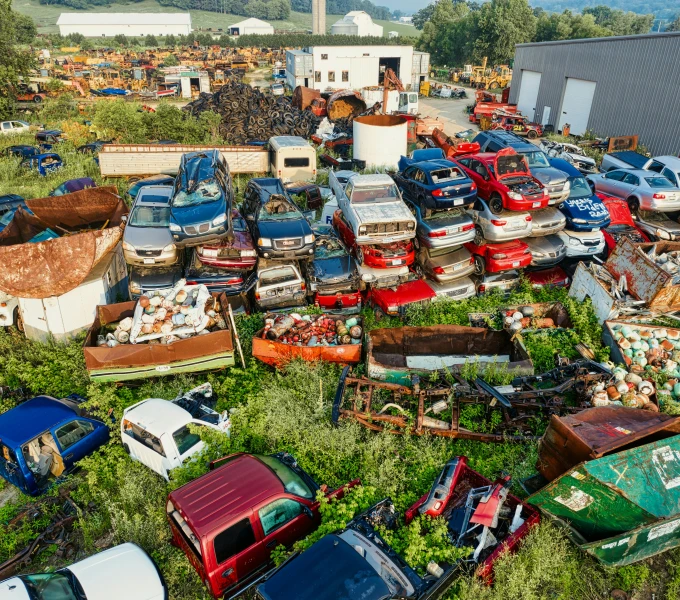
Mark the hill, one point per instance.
(660, 8)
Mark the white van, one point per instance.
(292, 158)
(156, 432)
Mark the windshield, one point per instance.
(445, 175)
(49, 586)
(445, 215)
(277, 208)
(203, 193)
(328, 247)
(275, 276)
(658, 182)
(579, 188)
(185, 440)
(150, 216)
(536, 159)
(365, 195)
(292, 482)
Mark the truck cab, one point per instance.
(374, 209)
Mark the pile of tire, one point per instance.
(249, 115)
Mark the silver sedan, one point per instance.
(509, 225)
(547, 221)
(657, 225)
(644, 190)
(546, 251)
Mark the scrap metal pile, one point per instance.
(312, 330)
(250, 115)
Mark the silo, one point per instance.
(380, 140)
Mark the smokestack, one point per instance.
(319, 17)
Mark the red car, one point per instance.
(621, 223)
(504, 256)
(229, 520)
(394, 300)
(237, 255)
(384, 256)
(554, 276)
(518, 124)
(504, 181)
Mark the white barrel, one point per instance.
(380, 140)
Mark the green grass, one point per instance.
(46, 15)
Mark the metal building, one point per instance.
(251, 26)
(92, 24)
(611, 86)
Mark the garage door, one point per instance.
(576, 105)
(528, 93)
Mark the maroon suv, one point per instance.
(229, 520)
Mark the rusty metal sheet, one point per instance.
(345, 103)
(303, 96)
(54, 267)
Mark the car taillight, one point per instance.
(257, 295)
(303, 286)
(434, 234)
(481, 289)
(235, 281)
(191, 283)
(499, 255)
(528, 218)
(469, 227)
(473, 187)
(472, 260)
(659, 196)
(437, 193)
(498, 222)
(438, 270)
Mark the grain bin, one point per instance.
(380, 140)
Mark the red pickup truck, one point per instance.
(229, 520)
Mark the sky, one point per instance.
(407, 6)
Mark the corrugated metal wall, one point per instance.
(637, 84)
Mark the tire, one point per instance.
(479, 236)
(126, 448)
(37, 99)
(379, 314)
(416, 243)
(360, 255)
(531, 134)
(496, 204)
(480, 265)
(419, 271)
(633, 204)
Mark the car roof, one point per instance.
(669, 161)
(643, 173)
(509, 139)
(28, 420)
(158, 416)
(373, 179)
(433, 165)
(212, 501)
(164, 191)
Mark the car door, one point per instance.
(609, 182)
(344, 231)
(284, 521)
(406, 181)
(76, 439)
(671, 176)
(483, 180)
(629, 184)
(234, 554)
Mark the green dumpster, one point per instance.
(620, 508)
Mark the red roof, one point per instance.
(215, 499)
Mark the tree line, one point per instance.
(456, 32)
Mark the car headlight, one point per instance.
(538, 254)
(662, 235)
(169, 248)
(567, 186)
(135, 288)
(174, 227)
(514, 195)
(362, 230)
(128, 247)
(579, 221)
(574, 242)
(219, 220)
(309, 238)
(264, 242)
(245, 253)
(411, 225)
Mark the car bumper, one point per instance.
(442, 202)
(293, 301)
(521, 205)
(389, 263)
(454, 275)
(508, 264)
(233, 264)
(498, 234)
(660, 205)
(184, 240)
(557, 197)
(370, 275)
(165, 259)
(584, 251)
(548, 261)
(543, 231)
(306, 251)
(455, 239)
(370, 240)
(590, 226)
(339, 303)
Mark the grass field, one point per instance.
(46, 15)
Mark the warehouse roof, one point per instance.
(252, 22)
(616, 38)
(93, 18)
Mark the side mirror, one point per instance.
(308, 511)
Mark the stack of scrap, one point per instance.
(312, 330)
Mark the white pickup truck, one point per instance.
(373, 207)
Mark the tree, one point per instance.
(150, 41)
(498, 26)
(170, 41)
(567, 26)
(14, 62)
(25, 28)
(76, 38)
(86, 44)
(423, 16)
(620, 22)
(445, 33)
(675, 25)
(120, 39)
(170, 60)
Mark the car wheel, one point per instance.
(416, 243)
(633, 204)
(496, 204)
(360, 255)
(479, 236)
(37, 99)
(480, 265)
(126, 448)
(531, 134)
(379, 314)
(419, 271)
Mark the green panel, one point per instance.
(594, 509)
(649, 476)
(208, 363)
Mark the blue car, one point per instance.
(421, 155)
(43, 163)
(8, 206)
(46, 139)
(22, 151)
(73, 185)
(436, 185)
(583, 209)
(200, 210)
(42, 440)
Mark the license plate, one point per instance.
(398, 261)
(592, 250)
(289, 255)
(458, 202)
(149, 261)
(516, 263)
(535, 205)
(515, 227)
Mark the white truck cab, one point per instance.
(374, 209)
(156, 432)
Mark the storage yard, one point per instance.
(272, 339)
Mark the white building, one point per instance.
(327, 68)
(92, 24)
(392, 34)
(357, 22)
(251, 26)
(407, 20)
